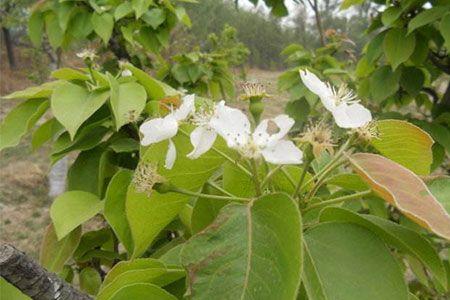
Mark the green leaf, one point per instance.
(348, 3)
(45, 132)
(440, 188)
(36, 28)
(445, 29)
(383, 83)
(115, 200)
(237, 182)
(81, 25)
(427, 16)
(412, 80)
(346, 261)
(154, 17)
(405, 144)
(204, 213)
(103, 25)
(390, 15)
(71, 209)
(55, 253)
(92, 240)
(83, 174)
(123, 10)
(64, 12)
(131, 265)
(402, 238)
(127, 101)
(374, 47)
(140, 6)
(90, 280)
(124, 145)
(69, 74)
(73, 104)
(142, 291)
(54, 31)
(256, 249)
(21, 119)
(403, 189)
(186, 173)
(350, 182)
(398, 46)
(10, 292)
(35, 92)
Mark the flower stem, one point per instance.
(302, 178)
(201, 195)
(338, 200)
(270, 174)
(256, 177)
(220, 189)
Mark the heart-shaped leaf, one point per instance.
(403, 189)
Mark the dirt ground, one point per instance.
(24, 204)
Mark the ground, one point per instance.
(24, 204)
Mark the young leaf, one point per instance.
(54, 254)
(141, 291)
(71, 209)
(17, 123)
(402, 238)
(90, 280)
(114, 211)
(403, 189)
(103, 25)
(346, 261)
(240, 244)
(72, 105)
(398, 46)
(405, 144)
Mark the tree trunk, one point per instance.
(9, 48)
(318, 22)
(33, 280)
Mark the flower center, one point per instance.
(343, 95)
(145, 177)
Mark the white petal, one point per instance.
(262, 137)
(159, 129)
(202, 138)
(186, 107)
(170, 156)
(283, 153)
(232, 124)
(318, 87)
(351, 116)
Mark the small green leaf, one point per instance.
(81, 24)
(405, 144)
(115, 200)
(427, 16)
(374, 47)
(140, 6)
(239, 246)
(154, 17)
(83, 174)
(123, 10)
(90, 280)
(45, 132)
(103, 25)
(69, 74)
(92, 240)
(384, 83)
(142, 291)
(412, 80)
(390, 15)
(36, 28)
(398, 46)
(54, 254)
(346, 261)
(73, 104)
(54, 31)
(71, 209)
(21, 119)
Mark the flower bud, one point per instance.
(320, 137)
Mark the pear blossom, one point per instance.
(234, 126)
(341, 102)
(160, 129)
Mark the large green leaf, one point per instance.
(17, 123)
(35, 92)
(405, 144)
(54, 254)
(127, 101)
(83, 174)
(114, 211)
(255, 247)
(73, 104)
(10, 292)
(402, 238)
(427, 16)
(142, 291)
(54, 31)
(346, 261)
(403, 189)
(103, 25)
(149, 214)
(398, 46)
(71, 209)
(384, 83)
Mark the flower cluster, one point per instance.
(267, 140)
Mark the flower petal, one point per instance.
(351, 116)
(232, 124)
(263, 138)
(159, 129)
(185, 108)
(202, 138)
(318, 87)
(171, 155)
(283, 153)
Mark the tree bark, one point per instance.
(33, 280)
(9, 48)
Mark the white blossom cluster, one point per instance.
(235, 128)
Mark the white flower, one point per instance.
(234, 127)
(126, 73)
(160, 129)
(87, 54)
(341, 102)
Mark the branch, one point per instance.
(33, 280)
(435, 59)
